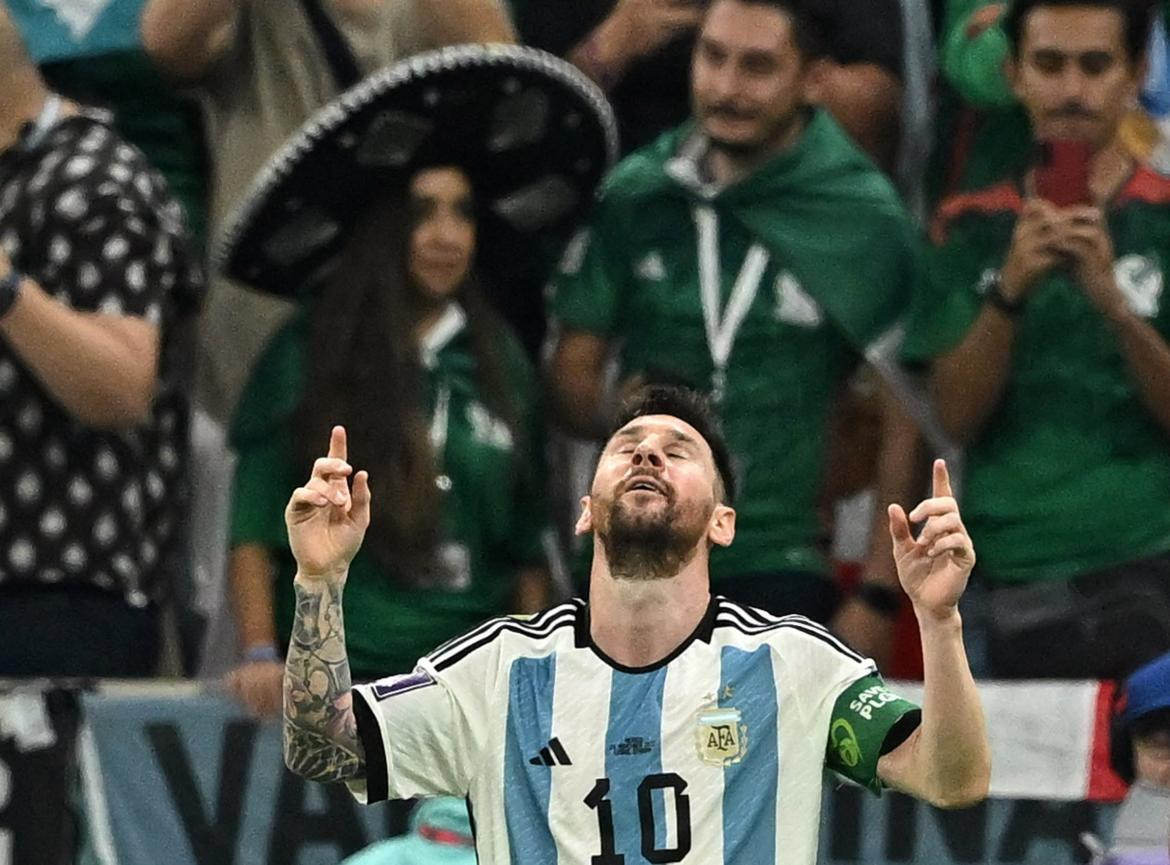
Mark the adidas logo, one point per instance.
(552, 755)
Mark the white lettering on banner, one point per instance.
(5, 798)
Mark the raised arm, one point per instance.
(968, 383)
(186, 38)
(326, 524)
(450, 22)
(947, 760)
(633, 30)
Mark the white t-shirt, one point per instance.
(714, 755)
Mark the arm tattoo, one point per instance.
(320, 729)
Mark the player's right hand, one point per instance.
(326, 520)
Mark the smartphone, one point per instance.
(1062, 172)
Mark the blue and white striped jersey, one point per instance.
(715, 755)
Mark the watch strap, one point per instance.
(1001, 301)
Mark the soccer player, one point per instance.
(654, 723)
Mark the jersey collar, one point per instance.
(702, 632)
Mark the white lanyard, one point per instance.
(440, 334)
(440, 424)
(722, 329)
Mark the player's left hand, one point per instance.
(935, 567)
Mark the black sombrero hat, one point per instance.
(534, 134)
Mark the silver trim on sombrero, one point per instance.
(333, 115)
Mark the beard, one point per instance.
(651, 544)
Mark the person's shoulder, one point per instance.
(642, 174)
(94, 160)
(504, 638)
(738, 622)
(1145, 186)
(997, 199)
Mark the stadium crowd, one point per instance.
(871, 232)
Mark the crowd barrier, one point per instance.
(176, 774)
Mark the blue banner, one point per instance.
(69, 29)
(190, 781)
(187, 780)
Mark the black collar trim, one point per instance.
(703, 632)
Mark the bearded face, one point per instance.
(647, 530)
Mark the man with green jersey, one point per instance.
(1048, 335)
(754, 254)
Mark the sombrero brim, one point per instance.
(533, 133)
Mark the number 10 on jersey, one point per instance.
(674, 791)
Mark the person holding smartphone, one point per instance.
(1046, 333)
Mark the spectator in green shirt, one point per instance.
(1047, 332)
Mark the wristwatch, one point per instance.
(999, 300)
(9, 290)
(885, 600)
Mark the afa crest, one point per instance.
(721, 736)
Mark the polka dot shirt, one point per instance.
(84, 215)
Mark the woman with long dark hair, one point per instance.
(440, 403)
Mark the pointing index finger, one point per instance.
(942, 480)
(338, 447)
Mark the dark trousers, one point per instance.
(783, 592)
(1100, 625)
(75, 631)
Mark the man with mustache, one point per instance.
(756, 254)
(654, 723)
(1046, 329)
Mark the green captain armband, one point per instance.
(868, 721)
